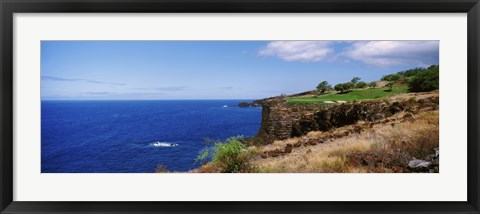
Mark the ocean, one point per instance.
(136, 136)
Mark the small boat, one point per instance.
(225, 106)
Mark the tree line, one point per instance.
(417, 79)
(345, 87)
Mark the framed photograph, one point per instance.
(239, 106)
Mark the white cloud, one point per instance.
(374, 53)
(387, 53)
(304, 51)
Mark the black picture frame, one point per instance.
(9, 7)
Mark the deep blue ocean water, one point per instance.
(120, 136)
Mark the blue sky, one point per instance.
(126, 70)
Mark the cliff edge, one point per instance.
(281, 121)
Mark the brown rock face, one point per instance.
(281, 121)
(278, 119)
(256, 103)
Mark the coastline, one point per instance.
(289, 131)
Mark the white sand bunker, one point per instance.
(328, 101)
(341, 101)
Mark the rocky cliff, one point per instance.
(256, 103)
(282, 121)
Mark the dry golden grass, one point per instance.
(327, 157)
(393, 144)
(415, 96)
(208, 168)
(280, 144)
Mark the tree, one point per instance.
(403, 76)
(348, 86)
(355, 80)
(389, 85)
(391, 77)
(361, 84)
(340, 87)
(433, 67)
(323, 86)
(372, 84)
(427, 80)
(413, 72)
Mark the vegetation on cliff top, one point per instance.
(412, 80)
(426, 80)
(361, 94)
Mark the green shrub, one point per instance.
(340, 87)
(348, 86)
(403, 80)
(411, 72)
(427, 80)
(391, 77)
(361, 84)
(231, 155)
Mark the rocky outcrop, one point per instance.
(356, 158)
(282, 121)
(429, 165)
(256, 103)
(278, 119)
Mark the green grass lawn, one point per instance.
(362, 94)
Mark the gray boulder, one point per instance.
(419, 164)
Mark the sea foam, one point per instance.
(163, 144)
